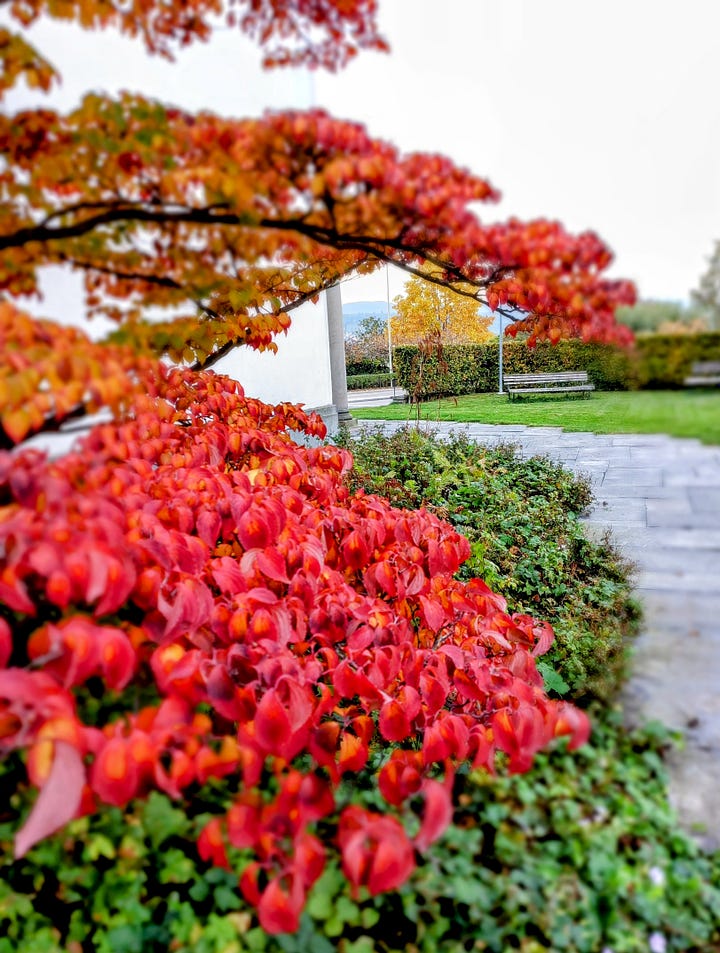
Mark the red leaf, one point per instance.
(227, 575)
(376, 851)
(6, 645)
(211, 844)
(574, 722)
(272, 724)
(434, 613)
(58, 801)
(437, 815)
(546, 637)
(272, 564)
(392, 863)
(353, 753)
(278, 910)
(393, 722)
(209, 526)
(14, 594)
(114, 774)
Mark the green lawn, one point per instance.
(678, 413)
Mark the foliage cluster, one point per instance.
(428, 309)
(365, 366)
(520, 517)
(664, 360)
(580, 854)
(655, 361)
(190, 595)
(192, 604)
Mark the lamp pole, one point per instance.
(501, 335)
(389, 329)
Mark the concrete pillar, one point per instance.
(336, 338)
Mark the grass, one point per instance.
(677, 413)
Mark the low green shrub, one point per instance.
(520, 517)
(581, 855)
(366, 366)
(360, 381)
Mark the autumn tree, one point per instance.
(366, 349)
(189, 599)
(433, 309)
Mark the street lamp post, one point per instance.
(501, 335)
(389, 329)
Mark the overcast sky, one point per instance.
(605, 116)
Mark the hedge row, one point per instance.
(367, 366)
(655, 361)
(665, 359)
(360, 381)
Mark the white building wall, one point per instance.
(299, 371)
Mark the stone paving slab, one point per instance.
(635, 476)
(678, 559)
(705, 539)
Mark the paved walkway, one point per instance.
(660, 497)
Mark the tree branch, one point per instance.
(212, 216)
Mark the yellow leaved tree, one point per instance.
(430, 309)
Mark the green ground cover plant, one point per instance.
(582, 854)
(694, 414)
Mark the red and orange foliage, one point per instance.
(283, 628)
(235, 222)
(187, 552)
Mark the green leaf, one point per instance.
(162, 820)
(552, 680)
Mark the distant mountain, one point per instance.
(356, 311)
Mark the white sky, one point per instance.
(605, 116)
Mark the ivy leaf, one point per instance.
(553, 681)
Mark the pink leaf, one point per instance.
(209, 526)
(437, 815)
(58, 801)
(272, 564)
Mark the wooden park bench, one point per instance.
(561, 382)
(704, 374)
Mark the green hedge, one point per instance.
(656, 361)
(366, 366)
(664, 360)
(473, 369)
(359, 381)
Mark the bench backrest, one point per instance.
(706, 367)
(561, 377)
